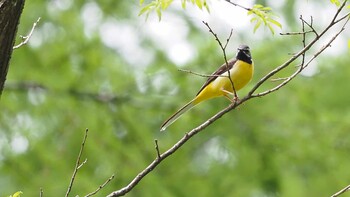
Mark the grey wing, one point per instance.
(222, 69)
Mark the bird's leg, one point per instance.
(229, 98)
(235, 97)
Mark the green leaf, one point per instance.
(258, 6)
(275, 22)
(253, 19)
(271, 28)
(159, 13)
(183, 4)
(143, 10)
(335, 2)
(17, 194)
(257, 25)
(250, 12)
(165, 3)
(267, 9)
(199, 4)
(263, 15)
(154, 5)
(206, 6)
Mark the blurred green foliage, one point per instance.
(97, 65)
(260, 14)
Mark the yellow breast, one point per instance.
(241, 73)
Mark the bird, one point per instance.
(240, 68)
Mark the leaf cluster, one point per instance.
(263, 15)
(159, 5)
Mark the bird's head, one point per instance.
(243, 53)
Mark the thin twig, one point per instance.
(303, 41)
(309, 24)
(77, 164)
(82, 163)
(279, 79)
(295, 33)
(235, 4)
(223, 48)
(288, 79)
(41, 194)
(297, 55)
(101, 186)
(190, 134)
(26, 38)
(199, 74)
(341, 18)
(228, 40)
(157, 148)
(347, 188)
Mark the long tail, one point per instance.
(177, 114)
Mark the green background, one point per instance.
(294, 142)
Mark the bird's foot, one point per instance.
(233, 100)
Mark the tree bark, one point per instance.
(10, 12)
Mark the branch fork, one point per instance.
(285, 80)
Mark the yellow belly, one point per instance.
(241, 73)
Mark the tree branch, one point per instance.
(347, 188)
(157, 148)
(199, 74)
(301, 52)
(27, 37)
(223, 49)
(193, 132)
(9, 19)
(98, 97)
(77, 164)
(237, 5)
(100, 187)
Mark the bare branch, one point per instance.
(279, 79)
(295, 33)
(347, 188)
(98, 97)
(234, 105)
(288, 79)
(101, 186)
(309, 24)
(303, 41)
(172, 150)
(237, 5)
(228, 40)
(26, 38)
(342, 18)
(199, 74)
(300, 53)
(81, 165)
(157, 148)
(223, 48)
(77, 164)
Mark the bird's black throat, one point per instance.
(244, 55)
